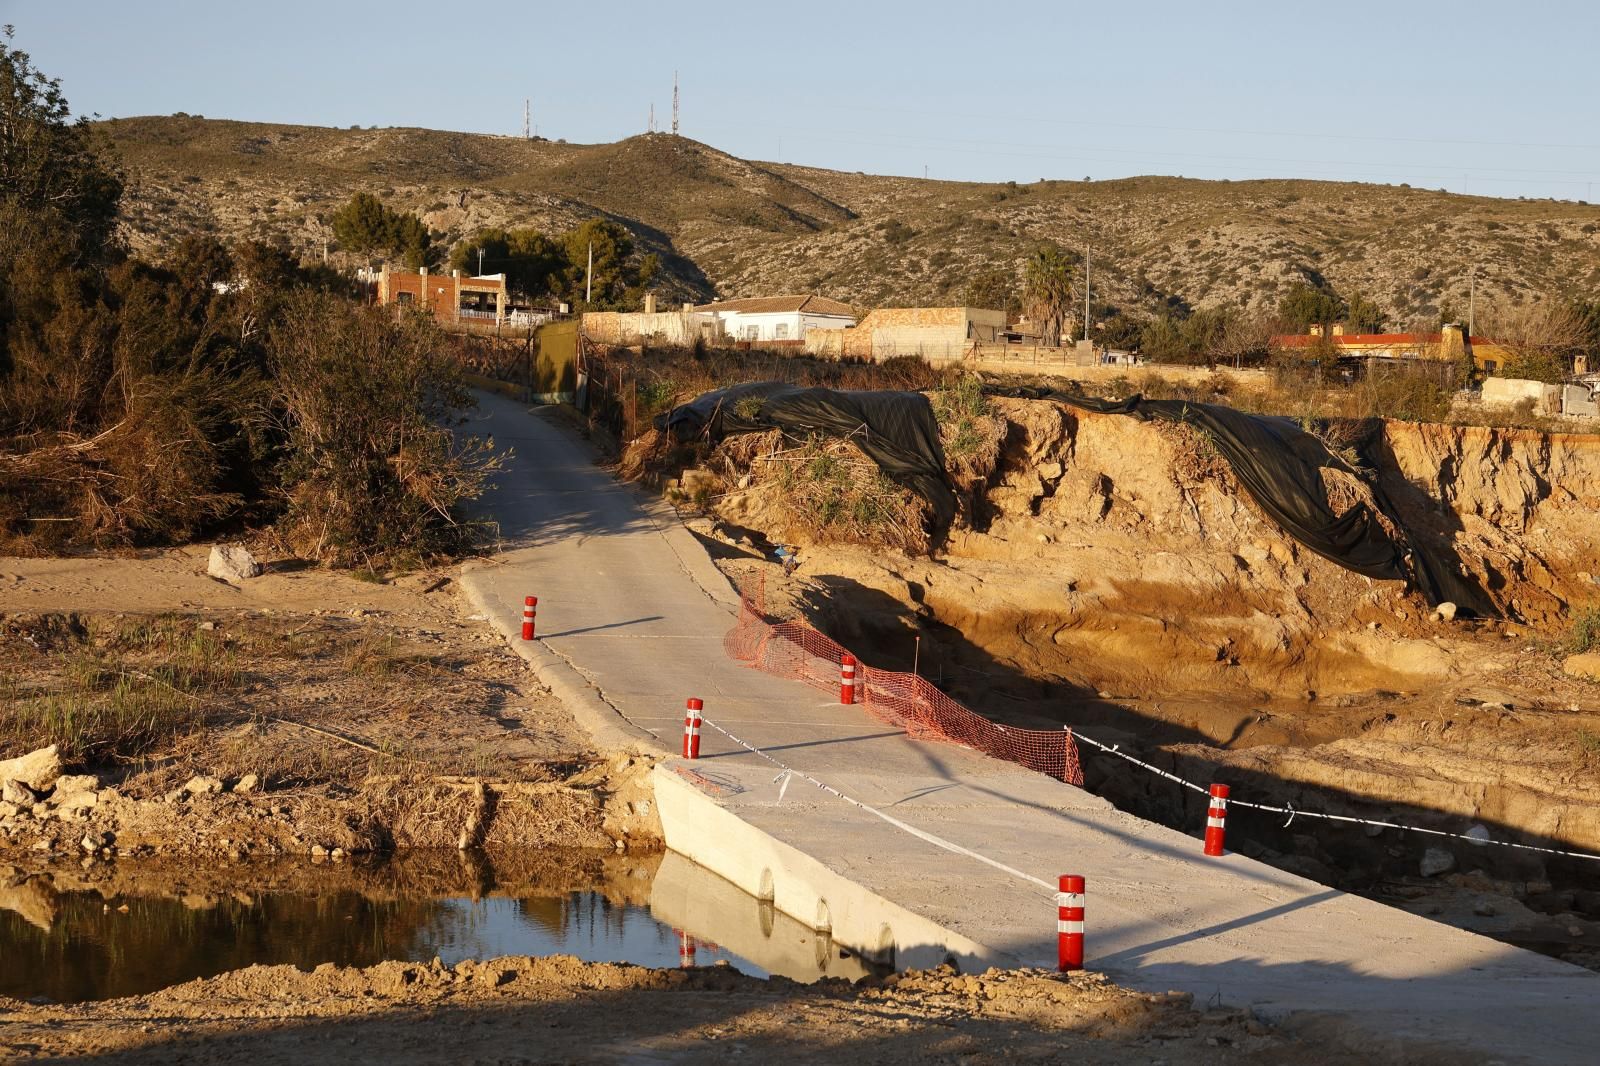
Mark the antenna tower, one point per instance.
(652, 116)
(674, 103)
(527, 115)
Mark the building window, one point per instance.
(402, 297)
(780, 332)
(751, 333)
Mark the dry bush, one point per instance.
(365, 404)
(831, 492)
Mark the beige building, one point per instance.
(934, 333)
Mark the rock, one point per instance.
(37, 769)
(1478, 835)
(1436, 861)
(1484, 909)
(232, 563)
(77, 803)
(1585, 665)
(700, 483)
(1445, 612)
(74, 783)
(247, 783)
(1574, 930)
(200, 785)
(1049, 471)
(17, 794)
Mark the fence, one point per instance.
(793, 649)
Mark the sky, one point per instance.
(1492, 99)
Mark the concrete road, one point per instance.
(630, 602)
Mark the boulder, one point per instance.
(71, 784)
(1585, 665)
(37, 769)
(247, 783)
(1445, 612)
(232, 563)
(78, 803)
(17, 794)
(1436, 861)
(198, 785)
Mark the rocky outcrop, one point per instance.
(1518, 510)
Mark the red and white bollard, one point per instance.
(1069, 923)
(691, 729)
(529, 609)
(1216, 815)
(847, 679)
(686, 948)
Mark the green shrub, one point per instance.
(1583, 635)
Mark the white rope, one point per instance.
(790, 773)
(1288, 809)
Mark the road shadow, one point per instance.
(882, 631)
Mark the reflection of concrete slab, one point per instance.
(637, 616)
(697, 901)
(34, 900)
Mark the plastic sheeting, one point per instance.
(897, 430)
(1280, 466)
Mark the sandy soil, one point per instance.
(371, 716)
(523, 1010)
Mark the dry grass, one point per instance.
(118, 690)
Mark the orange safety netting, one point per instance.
(795, 650)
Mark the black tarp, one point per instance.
(1280, 465)
(897, 430)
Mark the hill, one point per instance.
(728, 226)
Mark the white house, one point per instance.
(778, 318)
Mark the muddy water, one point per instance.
(68, 938)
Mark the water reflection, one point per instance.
(67, 937)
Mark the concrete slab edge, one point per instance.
(697, 827)
(607, 727)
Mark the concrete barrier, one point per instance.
(696, 827)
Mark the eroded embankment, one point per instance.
(1114, 577)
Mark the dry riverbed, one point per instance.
(302, 712)
(557, 1009)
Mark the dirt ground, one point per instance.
(331, 716)
(557, 1009)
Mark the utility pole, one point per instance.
(480, 262)
(674, 103)
(527, 117)
(652, 116)
(1086, 292)
(588, 277)
(1472, 299)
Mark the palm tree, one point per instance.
(1047, 292)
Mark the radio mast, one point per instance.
(674, 103)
